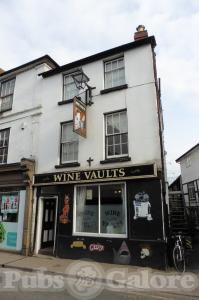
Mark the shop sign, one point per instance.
(79, 117)
(96, 175)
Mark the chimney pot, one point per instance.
(141, 33)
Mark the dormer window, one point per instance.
(6, 95)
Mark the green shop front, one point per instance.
(113, 215)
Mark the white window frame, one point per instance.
(67, 84)
(6, 93)
(111, 61)
(191, 192)
(65, 142)
(5, 147)
(114, 134)
(108, 235)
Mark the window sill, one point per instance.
(115, 88)
(67, 165)
(65, 102)
(2, 111)
(115, 159)
(101, 235)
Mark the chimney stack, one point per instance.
(141, 33)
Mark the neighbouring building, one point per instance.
(20, 110)
(98, 153)
(189, 165)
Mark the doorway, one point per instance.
(46, 230)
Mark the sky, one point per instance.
(68, 30)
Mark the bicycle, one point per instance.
(179, 254)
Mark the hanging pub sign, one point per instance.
(79, 117)
(96, 175)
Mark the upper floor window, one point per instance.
(116, 138)
(69, 90)
(6, 94)
(191, 191)
(188, 162)
(4, 140)
(69, 143)
(114, 73)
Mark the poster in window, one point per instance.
(79, 117)
(9, 204)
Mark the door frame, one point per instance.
(40, 222)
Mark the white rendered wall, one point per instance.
(139, 100)
(190, 171)
(23, 119)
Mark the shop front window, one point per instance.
(9, 205)
(100, 210)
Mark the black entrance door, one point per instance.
(48, 227)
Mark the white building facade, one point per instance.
(105, 192)
(189, 165)
(99, 195)
(20, 110)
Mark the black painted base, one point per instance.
(116, 251)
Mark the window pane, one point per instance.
(124, 148)
(123, 122)
(120, 63)
(4, 136)
(117, 139)
(110, 140)
(70, 89)
(110, 150)
(121, 77)
(6, 103)
(67, 133)
(112, 209)
(108, 66)
(114, 64)
(9, 204)
(108, 80)
(87, 209)
(124, 138)
(116, 123)
(115, 78)
(69, 147)
(109, 124)
(117, 150)
(114, 73)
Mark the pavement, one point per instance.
(112, 276)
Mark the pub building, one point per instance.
(108, 215)
(99, 187)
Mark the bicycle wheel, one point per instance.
(179, 259)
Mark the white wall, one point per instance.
(190, 170)
(23, 119)
(139, 99)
